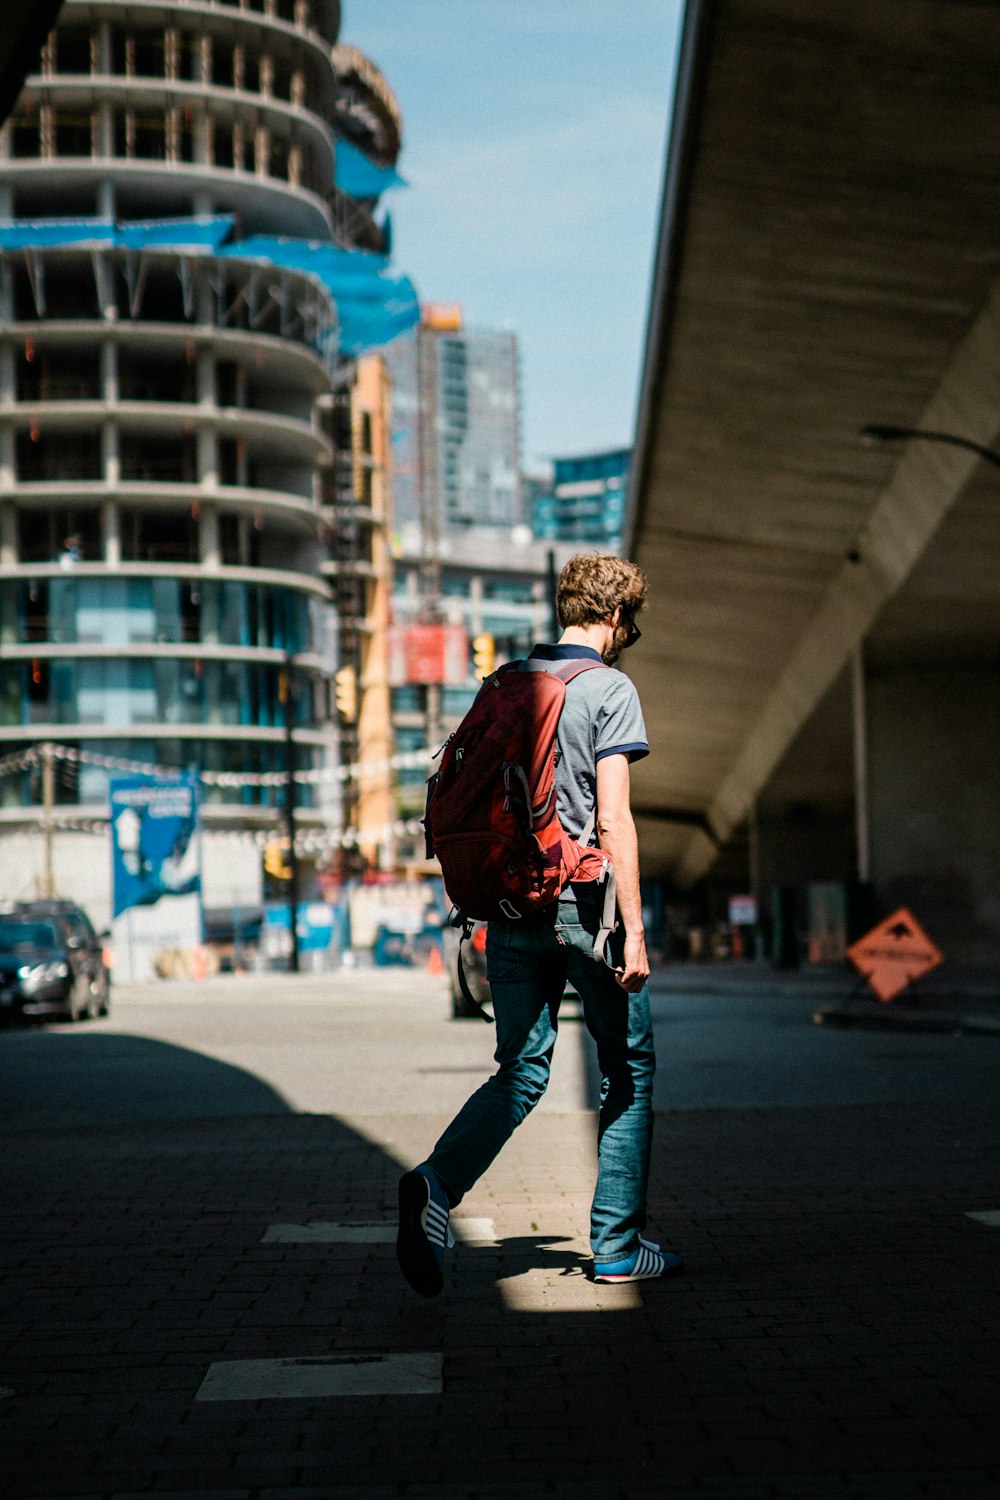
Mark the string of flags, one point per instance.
(410, 760)
(307, 842)
(313, 841)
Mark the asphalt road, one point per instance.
(201, 1298)
(367, 1042)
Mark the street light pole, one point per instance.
(878, 432)
(287, 695)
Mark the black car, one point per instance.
(474, 965)
(51, 963)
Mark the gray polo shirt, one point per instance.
(601, 716)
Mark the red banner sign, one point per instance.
(428, 653)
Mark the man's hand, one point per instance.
(635, 971)
(616, 835)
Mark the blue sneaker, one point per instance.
(648, 1263)
(423, 1233)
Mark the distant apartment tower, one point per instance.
(456, 425)
(170, 382)
(586, 500)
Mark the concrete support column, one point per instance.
(109, 370)
(111, 542)
(104, 56)
(859, 722)
(209, 545)
(208, 446)
(206, 376)
(934, 797)
(9, 552)
(107, 200)
(111, 463)
(110, 440)
(105, 130)
(8, 378)
(208, 460)
(6, 201)
(8, 398)
(8, 457)
(6, 293)
(202, 139)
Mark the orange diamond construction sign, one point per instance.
(894, 954)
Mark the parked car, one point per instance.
(51, 962)
(474, 965)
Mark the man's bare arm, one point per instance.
(617, 837)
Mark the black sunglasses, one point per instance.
(634, 633)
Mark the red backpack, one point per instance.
(491, 814)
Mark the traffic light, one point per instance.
(346, 682)
(276, 859)
(483, 654)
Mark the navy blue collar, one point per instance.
(566, 653)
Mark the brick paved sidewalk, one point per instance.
(836, 1333)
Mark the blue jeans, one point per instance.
(528, 963)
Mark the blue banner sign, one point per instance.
(155, 846)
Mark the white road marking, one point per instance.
(990, 1216)
(320, 1376)
(468, 1231)
(320, 1233)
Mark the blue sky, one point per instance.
(534, 142)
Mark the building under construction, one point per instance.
(191, 264)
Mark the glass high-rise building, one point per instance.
(586, 499)
(456, 425)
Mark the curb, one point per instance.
(873, 1016)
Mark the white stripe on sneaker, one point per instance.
(435, 1224)
(648, 1263)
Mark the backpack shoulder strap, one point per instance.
(576, 667)
(564, 670)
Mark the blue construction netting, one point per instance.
(358, 176)
(374, 302)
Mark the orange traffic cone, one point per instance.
(435, 963)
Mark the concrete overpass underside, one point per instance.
(823, 639)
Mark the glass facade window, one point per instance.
(507, 626)
(408, 699)
(139, 611)
(407, 741)
(456, 701)
(455, 438)
(129, 693)
(511, 590)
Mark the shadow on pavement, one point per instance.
(60, 1078)
(830, 1338)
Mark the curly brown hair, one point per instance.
(592, 585)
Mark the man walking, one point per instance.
(601, 731)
